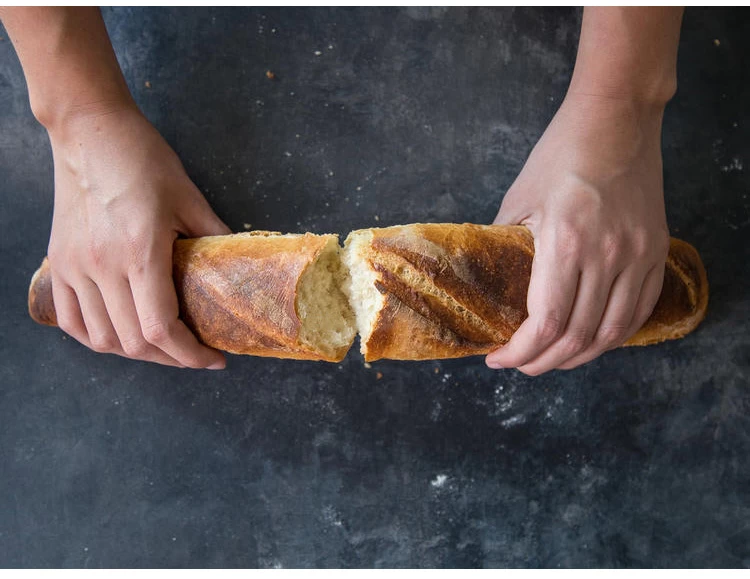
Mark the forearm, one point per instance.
(68, 61)
(628, 53)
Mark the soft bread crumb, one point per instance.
(322, 306)
(364, 297)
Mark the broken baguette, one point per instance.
(257, 293)
(413, 292)
(431, 291)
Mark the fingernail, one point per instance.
(495, 365)
(218, 366)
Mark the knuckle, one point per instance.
(96, 253)
(577, 340)
(136, 246)
(68, 324)
(613, 335)
(568, 241)
(158, 332)
(661, 244)
(612, 249)
(103, 342)
(549, 329)
(135, 347)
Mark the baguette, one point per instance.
(413, 292)
(430, 291)
(259, 293)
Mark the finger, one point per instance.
(158, 311)
(68, 311)
(101, 333)
(199, 219)
(585, 318)
(647, 300)
(552, 291)
(617, 319)
(508, 213)
(118, 299)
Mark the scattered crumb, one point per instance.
(147, 84)
(367, 365)
(247, 225)
(270, 75)
(439, 481)
(735, 165)
(359, 188)
(330, 47)
(377, 218)
(379, 375)
(318, 53)
(287, 154)
(717, 42)
(437, 370)
(296, 136)
(273, 30)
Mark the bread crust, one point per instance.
(241, 297)
(454, 290)
(237, 293)
(449, 290)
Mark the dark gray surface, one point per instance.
(638, 459)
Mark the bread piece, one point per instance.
(430, 291)
(417, 292)
(257, 293)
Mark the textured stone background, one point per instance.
(379, 117)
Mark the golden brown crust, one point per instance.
(236, 292)
(458, 290)
(683, 301)
(449, 291)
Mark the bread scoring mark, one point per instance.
(417, 291)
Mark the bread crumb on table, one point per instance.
(717, 42)
(270, 75)
(367, 365)
(147, 84)
(247, 225)
(379, 375)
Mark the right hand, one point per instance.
(122, 197)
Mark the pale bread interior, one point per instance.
(365, 299)
(322, 306)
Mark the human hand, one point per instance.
(122, 197)
(591, 193)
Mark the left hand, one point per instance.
(592, 195)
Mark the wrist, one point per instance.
(57, 114)
(613, 109)
(646, 93)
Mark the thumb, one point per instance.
(199, 220)
(510, 212)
